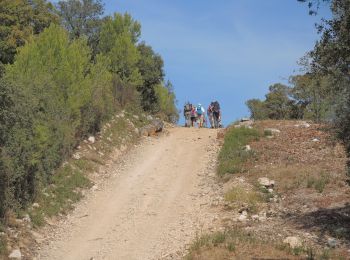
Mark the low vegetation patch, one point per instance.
(67, 183)
(293, 178)
(249, 198)
(59, 196)
(235, 243)
(267, 132)
(232, 154)
(3, 247)
(318, 183)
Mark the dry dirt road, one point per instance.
(150, 207)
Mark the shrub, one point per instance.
(318, 183)
(3, 247)
(49, 87)
(267, 132)
(232, 155)
(248, 197)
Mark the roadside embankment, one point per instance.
(286, 194)
(76, 177)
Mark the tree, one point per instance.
(82, 18)
(313, 5)
(167, 102)
(19, 20)
(48, 88)
(331, 56)
(277, 102)
(117, 25)
(150, 66)
(311, 94)
(257, 108)
(101, 105)
(117, 41)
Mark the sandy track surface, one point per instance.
(151, 207)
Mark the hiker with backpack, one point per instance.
(200, 115)
(216, 114)
(210, 115)
(193, 115)
(187, 114)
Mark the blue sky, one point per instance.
(228, 50)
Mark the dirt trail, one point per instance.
(150, 208)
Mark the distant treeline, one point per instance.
(306, 98)
(323, 92)
(64, 70)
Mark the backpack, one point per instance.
(188, 107)
(199, 110)
(193, 112)
(216, 106)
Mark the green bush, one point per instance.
(3, 247)
(250, 198)
(267, 132)
(232, 155)
(55, 96)
(62, 192)
(56, 92)
(318, 183)
(166, 99)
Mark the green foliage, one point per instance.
(118, 25)
(82, 19)
(318, 183)
(3, 246)
(267, 132)
(232, 155)
(236, 243)
(240, 195)
(330, 59)
(136, 67)
(150, 66)
(323, 93)
(58, 89)
(166, 100)
(101, 103)
(257, 108)
(55, 95)
(233, 240)
(277, 104)
(19, 20)
(307, 98)
(117, 41)
(49, 88)
(62, 192)
(311, 92)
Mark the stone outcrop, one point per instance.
(152, 129)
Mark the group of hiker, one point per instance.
(196, 114)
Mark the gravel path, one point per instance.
(151, 207)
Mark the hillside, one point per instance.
(289, 198)
(270, 189)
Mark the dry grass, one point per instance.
(237, 244)
(250, 198)
(310, 197)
